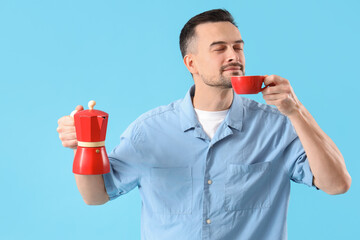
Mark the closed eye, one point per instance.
(238, 47)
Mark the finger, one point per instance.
(276, 89)
(70, 144)
(78, 108)
(273, 79)
(269, 80)
(73, 113)
(270, 90)
(66, 121)
(66, 129)
(275, 97)
(67, 137)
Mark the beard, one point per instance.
(223, 81)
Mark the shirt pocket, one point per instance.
(172, 190)
(247, 186)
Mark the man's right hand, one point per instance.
(91, 187)
(66, 129)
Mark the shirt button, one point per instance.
(209, 182)
(208, 221)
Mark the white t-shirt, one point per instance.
(210, 121)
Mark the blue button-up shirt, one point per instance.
(234, 186)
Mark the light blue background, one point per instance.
(125, 55)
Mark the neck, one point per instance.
(209, 98)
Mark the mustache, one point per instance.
(232, 65)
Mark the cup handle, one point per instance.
(262, 89)
(270, 85)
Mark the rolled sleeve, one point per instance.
(297, 163)
(300, 171)
(125, 169)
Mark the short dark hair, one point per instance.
(188, 31)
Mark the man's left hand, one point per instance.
(280, 93)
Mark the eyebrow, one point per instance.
(222, 42)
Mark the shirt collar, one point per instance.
(234, 117)
(188, 119)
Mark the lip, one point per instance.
(232, 69)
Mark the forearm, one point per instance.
(326, 162)
(92, 188)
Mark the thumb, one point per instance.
(78, 108)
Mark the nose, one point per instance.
(233, 56)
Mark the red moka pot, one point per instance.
(91, 157)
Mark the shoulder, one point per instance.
(263, 109)
(271, 120)
(152, 118)
(158, 113)
(267, 116)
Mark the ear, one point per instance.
(190, 64)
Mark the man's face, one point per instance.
(218, 53)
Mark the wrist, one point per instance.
(299, 114)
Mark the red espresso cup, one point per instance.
(247, 84)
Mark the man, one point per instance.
(215, 165)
